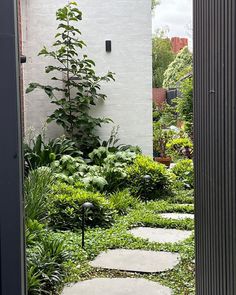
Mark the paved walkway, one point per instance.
(161, 235)
(117, 287)
(135, 261)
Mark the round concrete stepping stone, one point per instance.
(161, 235)
(136, 260)
(177, 216)
(117, 287)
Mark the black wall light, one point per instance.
(108, 45)
(23, 59)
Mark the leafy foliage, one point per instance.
(166, 115)
(34, 232)
(37, 188)
(158, 186)
(181, 147)
(111, 169)
(66, 210)
(107, 175)
(76, 86)
(155, 3)
(160, 139)
(185, 105)
(184, 173)
(182, 61)
(122, 201)
(68, 169)
(46, 266)
(39, 153)
(162, 56)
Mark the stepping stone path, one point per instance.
(161, 235)
(177, 216)
(140, 261)
(136, 260)
(117, 287)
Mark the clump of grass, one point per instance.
(37, 188)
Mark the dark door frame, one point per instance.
(215, 150)
(12, 262)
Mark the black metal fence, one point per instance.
(215, 147)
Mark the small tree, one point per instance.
(78, 84)
(185, 105)
(182, 61)
(155, 3)
(162, 56)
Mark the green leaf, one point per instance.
(44, 51)
(32, 87)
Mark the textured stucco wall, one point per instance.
(128, 24)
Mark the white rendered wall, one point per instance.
(127, 23)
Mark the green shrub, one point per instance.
(107, 175)
(34, 231)
(185, 105)
(179, 148)
(66, 211)
(160, 138)
(158, 186)
(182, 61)
(37, 188)
(184, 173)
(38, 152)
(45, 265)
(98, 155)
(113, 170)
(122, 201)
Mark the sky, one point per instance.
(176, 15)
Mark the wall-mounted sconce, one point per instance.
(22, 59)
(108, 45)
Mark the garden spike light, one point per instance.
(147, 179)
(85, 206)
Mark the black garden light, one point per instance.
(85, 206)
(147, 180)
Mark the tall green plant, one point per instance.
(185, 105)
(77, 84)
(37, 187)
(173, 74)
(162, 56)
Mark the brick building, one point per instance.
(178, 44)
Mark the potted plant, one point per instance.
(160, 138)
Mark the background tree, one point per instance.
(76, 86)
(182, 61)
(155, 3)
(162, 56)
(184, 104)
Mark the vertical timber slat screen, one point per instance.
(12, 279)
(215, 146)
